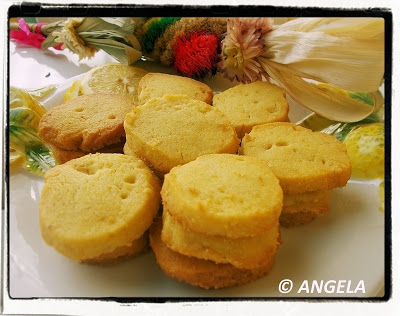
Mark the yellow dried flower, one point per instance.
(71, 40)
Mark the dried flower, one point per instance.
(33, 37)
(71, 40)
(196, 54)
(84, 36)
(347, 53)
(243, 43)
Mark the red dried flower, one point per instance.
(196, 54)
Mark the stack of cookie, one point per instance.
(309, 165)
(220, 222)
(86, 124)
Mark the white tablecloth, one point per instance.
(30, 67)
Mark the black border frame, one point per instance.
(123, 10)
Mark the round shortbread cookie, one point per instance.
(298, 218)
(224, 195)
(87, 122)
(243, 253)
(122, 253)
(92, 205)
(301, 159)
(319, 208)
(298, 211)
(173, 130)
(302, 208)
(63, 155)
(198, 272)
(305, 198)
(159, 84)
(248, 105)
(128, 151)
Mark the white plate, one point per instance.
(345, 247)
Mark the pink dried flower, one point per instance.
(34, 38)
(243, 43)
(25, 36)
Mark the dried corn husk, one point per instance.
(85, 36)
(345, 52)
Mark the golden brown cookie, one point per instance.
(198, 272)
(64, 155)
(223, 194)
(307, 197)
(173, 130)
(302, 213)
(122, 253)
(87, 122)
(256, 103)
(155, 85)
(302, 208)
(309, 165)
(302, 160)
(93, 205)
(243, 253)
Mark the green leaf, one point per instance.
(338, 129)
(362, 97)
(39, 159)
(24, 138)
(22, 128)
